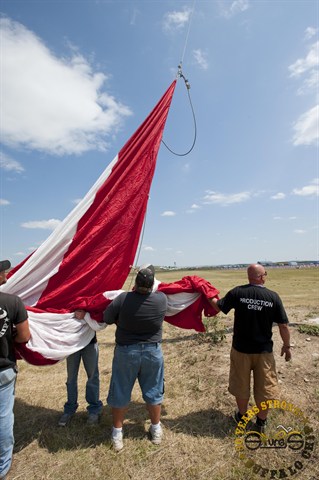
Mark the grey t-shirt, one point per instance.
(139, 318)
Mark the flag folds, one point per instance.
(93, 248)
(88, 257)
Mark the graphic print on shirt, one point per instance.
(256, 304)
(4, 316)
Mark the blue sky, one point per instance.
(78, 78)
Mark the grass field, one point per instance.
(199, 431)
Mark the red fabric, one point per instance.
(34, 358)
(191, 317)
(104, 246)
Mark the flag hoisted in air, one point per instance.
(86, 260)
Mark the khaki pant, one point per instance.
(264, 373)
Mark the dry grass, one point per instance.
(199, 431)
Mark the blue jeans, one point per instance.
(90, 358)
(141, 361)
(7, 384)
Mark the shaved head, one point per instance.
(256, 273)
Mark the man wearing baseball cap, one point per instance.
(138, 316)
(14, 327)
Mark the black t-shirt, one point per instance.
(139, 318)
(256, 308)
(12, 312)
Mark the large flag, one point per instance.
(88, 257)
(94, 247)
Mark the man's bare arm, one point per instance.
(285, 336)
(23, 332)
(213, 302)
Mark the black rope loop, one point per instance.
(187, 84)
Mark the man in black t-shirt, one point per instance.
(256, 309)
(14, 327)
(138, 316)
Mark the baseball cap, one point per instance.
(4, 265)
(145, 277)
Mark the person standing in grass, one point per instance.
(14, 327)
(90, 358)
(256, 309)
(138, 316)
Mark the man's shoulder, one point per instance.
(238, 288)
(158, 297)
(9, 297)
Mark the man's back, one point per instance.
(139, 317)
(256, 308)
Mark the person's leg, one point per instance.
(151, 380)
(7, 384)
(265, 382)
(118, 415)
(73, 365)
(151, 377)
(154, 413)
(90, 357)
(125, 367)
(239, 380)
(242, 405)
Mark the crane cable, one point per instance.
(187, 84)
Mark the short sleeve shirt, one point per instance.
(12, 312)
(139, 318)
(256, 309)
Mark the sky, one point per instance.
(79, 76)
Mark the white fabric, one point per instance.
(56, 336)
(179, 301)
(45, 261)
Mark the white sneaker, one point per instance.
(156, 435)
(117, 442)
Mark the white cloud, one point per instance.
(308, 190)
(19, 254)
(310, 32)
(278, 196)
(193, 208)
(307, 68)
(42, 224)
(277, 218)
(168, 213)
(303, 65)
(200, 59)
(176, 20)
(236, 7)
(300, 231)
(9, 164)
(52, 104)
(307, 128)
(149, 249)
(225, 200)
(4, 202)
